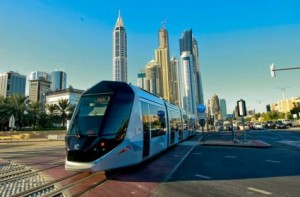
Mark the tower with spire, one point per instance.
(162, 57)
(119, 51)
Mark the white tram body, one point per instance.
(117, 125)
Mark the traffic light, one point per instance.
(272, 69)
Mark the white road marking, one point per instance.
(291, 143)
(259, 191)
(272, 161)
(202, 176)
(231, 157)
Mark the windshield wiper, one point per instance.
(77, 131)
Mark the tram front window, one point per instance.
(89, 115)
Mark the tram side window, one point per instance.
(185, 122)
(158, 124)
(146, 117)
(175, 121)
(191, 124)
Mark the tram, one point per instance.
(116, 125)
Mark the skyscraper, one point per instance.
(162, 57)
(215, 107)
(188, 84)
(58, 80)
(175, 78)
(198, 79)
(188, 43)
(223, 108)
(119, 51)
(38, 89)
(141, 77)
(152, 82)
(35, 75)
(12, 83)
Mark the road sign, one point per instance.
(241, 108)
(201, 108)
(11, 123)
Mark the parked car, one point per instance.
(258, 125)
(286, 122)
(280, 125)
(270, 124)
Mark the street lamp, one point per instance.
(273, 69)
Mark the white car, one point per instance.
(258, 125)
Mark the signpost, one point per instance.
(242, 112)
(202, 116)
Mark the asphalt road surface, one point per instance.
(237, 171)
(201, 171)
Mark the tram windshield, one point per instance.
(102, 115)
(89, 115)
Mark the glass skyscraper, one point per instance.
(12, 83)
(58, 80)
(119, 51)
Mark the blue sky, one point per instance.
(237, 39)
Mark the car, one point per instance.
(286, 122)
(270, 124)
(258, 125)
(280, 125)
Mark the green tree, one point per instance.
(18, 105)
(34, 111)
(296, 109)
(4, 113)
(65, 107)
(51, 108)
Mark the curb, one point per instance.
(253, 144)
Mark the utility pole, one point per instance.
(283, 99)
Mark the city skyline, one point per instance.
(237, 42)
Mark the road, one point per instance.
(236, 171)
(189, 169)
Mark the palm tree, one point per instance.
(34, 111)
(51, 108)
(65, 107)
(4, 114)
(18, 105)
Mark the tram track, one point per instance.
(20, 175)
(92, 181)
(15, 174)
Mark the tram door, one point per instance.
(146, 129)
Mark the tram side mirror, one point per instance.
(160, 113)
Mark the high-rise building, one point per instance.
(141, 77)
(58, 80)
(152, 81)
(12, 83)
(188, 43)
(36, 75)
(223, 108)
(198, 79)
(188, 85)
(215, 107)
(175, 78)
(162, 57)
(38, 90)
(119, 51)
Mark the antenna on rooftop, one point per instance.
(163, 23)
